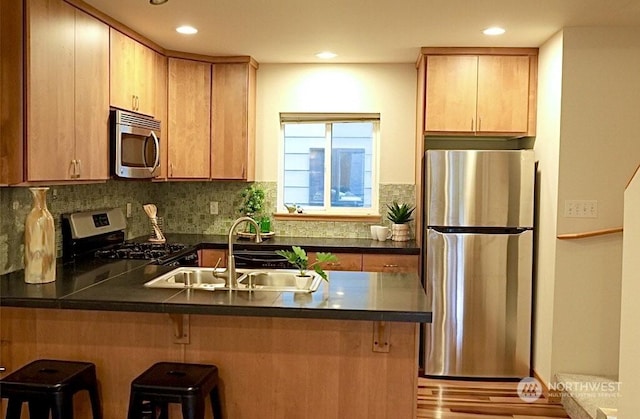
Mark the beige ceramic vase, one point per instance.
(39, 241)
(400, 232)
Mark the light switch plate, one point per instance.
(576, 208)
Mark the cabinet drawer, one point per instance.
(346, 262)
(390, 263)
(208, 258)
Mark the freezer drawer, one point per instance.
(480, 286)
(476, 188)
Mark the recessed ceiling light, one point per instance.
(186, 30)
(157, 2)
(494, 30)
(326, 55)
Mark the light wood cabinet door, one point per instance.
(390, 263)
(208, 258)
(346, 262)
(91, 98)
(503, 93)
(160, 112)
(68, 88)
(50, 92)
(233, 121)
(480, 94)
(451, 88)
(189, 134)
(122, 70)
(133, 74)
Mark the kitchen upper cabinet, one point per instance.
(477, 94)
(189, 133)
(67, 94)
(233, 121)
(133, 75)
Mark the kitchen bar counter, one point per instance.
(118, 286)
(349, 350)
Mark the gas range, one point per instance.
(140, 250)
(101, 234)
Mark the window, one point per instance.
(329, 163)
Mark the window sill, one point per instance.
(327, 217)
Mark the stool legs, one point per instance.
(216, 403)
(13, 409)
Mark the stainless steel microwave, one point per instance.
(135, 145)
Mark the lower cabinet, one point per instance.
(208, 258)
(390, 263)
(346, 261)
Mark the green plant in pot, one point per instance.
(252, 204)
(298, 258)
(400, 215)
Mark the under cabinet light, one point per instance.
(326, 55)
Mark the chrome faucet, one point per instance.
(231, 281)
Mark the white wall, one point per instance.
(547, 149)
(388, 89)
(630, 309)
(599, 150)
(598, 153)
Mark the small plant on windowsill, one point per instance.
(400, 215)
(298, 258)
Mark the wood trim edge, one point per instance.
(551, 397)
(569, 236)
(477, 51)
(328, 217)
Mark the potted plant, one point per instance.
(399, 215)
(298, 258)
(252, 204)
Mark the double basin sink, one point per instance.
(213, 279)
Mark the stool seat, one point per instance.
(175, 382)
(49, 384)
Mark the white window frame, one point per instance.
(326, 118)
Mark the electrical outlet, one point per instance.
(16, 205)
(574, 208)
(213, 207)
(128, 209)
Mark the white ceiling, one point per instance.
(359, 31)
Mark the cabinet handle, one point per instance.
(72, 168)
(390, 265)
(471, 124)
(479, 124)
(170, 169)
(137, 103)
(133, 102)
(79, 166)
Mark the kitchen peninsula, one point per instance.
(349, 350)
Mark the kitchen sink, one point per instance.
(213, 279)
(189, 277)
(281, 280)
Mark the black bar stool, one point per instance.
(49, 385)
(174, 382)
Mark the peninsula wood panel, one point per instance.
(269, 368)
(189, 136)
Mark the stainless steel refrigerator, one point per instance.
(478, 257)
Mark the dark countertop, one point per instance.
(118, 286)
(311, 244)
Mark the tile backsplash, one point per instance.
(184, 206)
